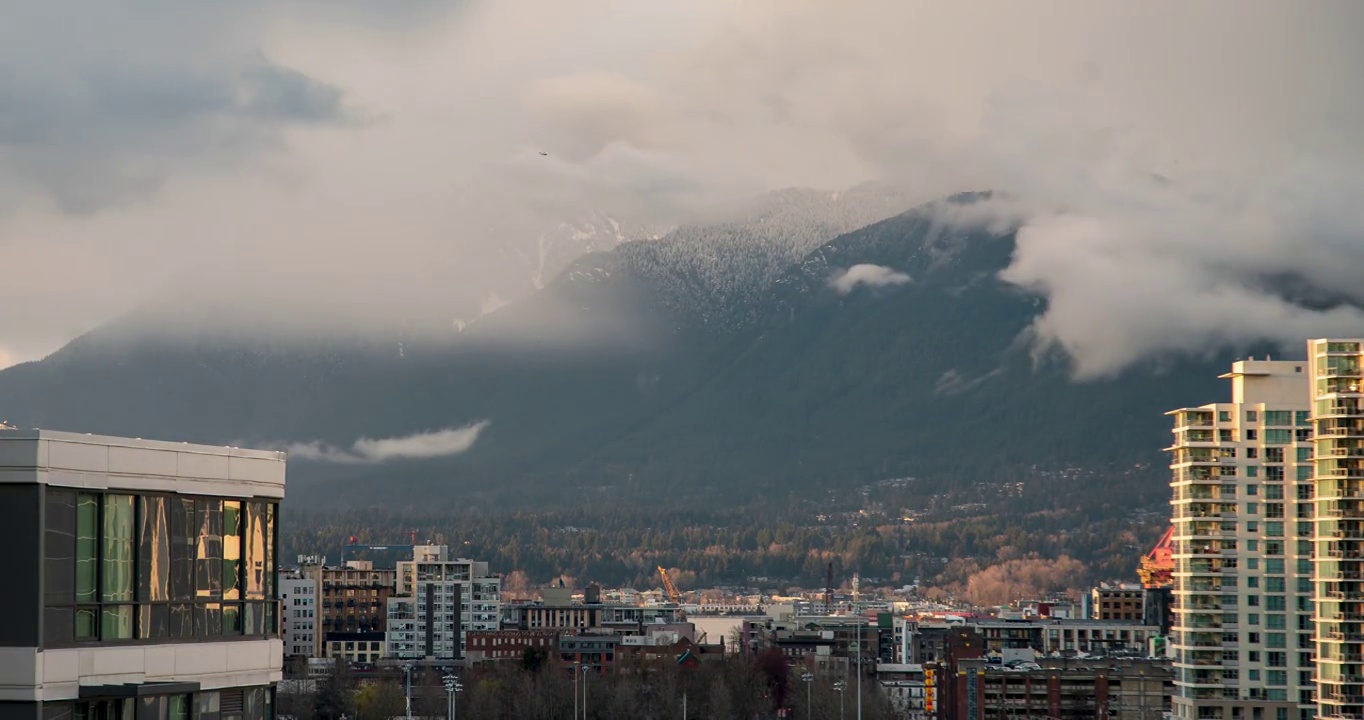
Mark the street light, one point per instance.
(809, 679)
(452, 686)
(858, 647)
(579, 675)
(407, 692)
(840, 686)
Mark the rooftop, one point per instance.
(49, 457)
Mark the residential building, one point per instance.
(591, 652)
(1337, 374)
(509, 645)
(1123, 601)
(1243, 518)
(905, 685)
(1064, 689)
(140, 578)
(1067, 637)
(557, 611)
(298, 616)
(437, 602)
(360, 648)
(354, 596)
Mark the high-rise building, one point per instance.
(1243, 519)
(438, 600)
(1337, 372)
(298, 616)
(140, 579)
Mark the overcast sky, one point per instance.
(1171, 155)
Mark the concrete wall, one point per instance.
(28, 674)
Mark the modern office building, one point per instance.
(299, 616)
(140, 579)
(437, 602)
(1243, 517)
(1337, 372)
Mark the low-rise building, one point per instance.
(509, 645)
(364, 648)
(1123, 601)
(1064, 689)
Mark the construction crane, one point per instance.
(1158, 566)
(669, 586)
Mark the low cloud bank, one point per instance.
(866, 274)
(438, 443)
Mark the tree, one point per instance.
(380, 700)
(533, 659)
(335, 694)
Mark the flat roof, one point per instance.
(98, 462)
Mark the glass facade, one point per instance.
(251, 703)
(124, 567)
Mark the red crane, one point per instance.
(1158, 566)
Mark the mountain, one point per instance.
(717, 363)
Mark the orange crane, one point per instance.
(1158, 566)
(669, 586)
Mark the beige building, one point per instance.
(1337, 371)
(1243, 545)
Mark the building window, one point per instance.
(119, 567)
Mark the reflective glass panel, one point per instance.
(153, 557)
(118, 548)
(208, 565)
(116, 622)
(87, 548)
(183, 539)
(59, 548)
(255, 551)
(232, 549)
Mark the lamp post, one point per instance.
(407, 689)
(452, 686)
(840, 686)
(858, 647)
(809, 679)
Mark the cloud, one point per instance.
(866, 274)
(439, 443)
(349, 163)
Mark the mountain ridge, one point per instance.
(707, 384)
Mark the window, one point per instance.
(1223, 416)
(1279, 417)
(1252, 435)
(1302, 418)
(1278, 437)
(121, 567)
(1304, 454)
(1304, 472)
(1252, 416)
(1251, 472)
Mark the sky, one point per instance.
(1171, 163)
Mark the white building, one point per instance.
(1337, 373)
(141, 578)
(299, 616)
(438, 601)
(1243, 515)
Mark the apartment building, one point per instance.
(438, 600)
(1243, 545)
(1063, 689)
(354, 596)
(140, 579)
(299, 616)
(1124, 601)
(1337, 373)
